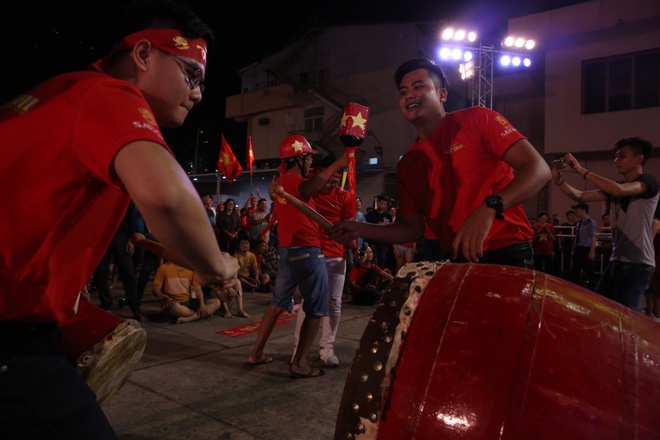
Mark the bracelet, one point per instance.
(560, 183)
(584, 176)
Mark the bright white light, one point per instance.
(195, 179)
(447, 34)
(520, 42)
(445, 53)
(505, 60)
(527, 62)
(508, 42)
(456, 54)
(467, 56)
(459, 35)
(515, 61)
(472, 37)
(529, 44)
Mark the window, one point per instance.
(621, 83)
(314, 119)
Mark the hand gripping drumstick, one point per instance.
(304, 207)
(159, 250)
(308, 211)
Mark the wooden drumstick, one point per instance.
(303, 207)
(160, 250)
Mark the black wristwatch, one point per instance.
(495, 202)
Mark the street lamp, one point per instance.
(476, 59)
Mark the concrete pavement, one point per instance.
(192, 382)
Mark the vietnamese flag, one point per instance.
(227, 162)
(250, 155)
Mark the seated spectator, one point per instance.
(249, 274)
(367, 282)
(227, 298)
(173, 285)
(267, 259)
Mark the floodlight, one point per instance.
(459, 35)
(508, 41)
(447, 34)
(529, 44)
(445, 53)
(467, 55)
(520, 42)
(456, 54)
(527, 62)
(505, 60)
(472, 37)
(515, 61)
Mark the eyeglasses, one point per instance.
(194, 74)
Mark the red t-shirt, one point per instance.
(62, 204)
(542, 244)
(446, 176)
(335, 206)
(294, 228)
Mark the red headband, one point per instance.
(167, 40)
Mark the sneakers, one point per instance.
(327, 355)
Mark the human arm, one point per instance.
(532, 173)
(314, 184)
(604, 185)
(406, 228)
(162, 296)
(171, 207)
(202, 311)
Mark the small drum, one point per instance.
(103, 348)
(471, 351)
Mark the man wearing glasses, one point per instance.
(97, 140)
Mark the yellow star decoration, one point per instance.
(297, 146)
(358, 121)
(343, 119)
(225, 159)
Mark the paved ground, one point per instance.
(192, 382)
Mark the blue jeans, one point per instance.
(625, 283)
(41, 395)
(302, 267)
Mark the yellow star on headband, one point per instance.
(358, 121)
(297, 146)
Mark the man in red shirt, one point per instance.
(543, 243)
(302, 263)
(97, 139)
(459, 176)
(335, 204)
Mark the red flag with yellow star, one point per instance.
(250, 155)
(227, 162)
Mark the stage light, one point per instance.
(515, 61)
(520, 42)
(467, 55)
(505, 60)
(445, 53)
(508, 41)
(456, 54)
(472, 37)
(529, 44)
(459, 35)
(527, 62)
(447, 34)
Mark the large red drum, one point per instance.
(468, 351)
(103, 348)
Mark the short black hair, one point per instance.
(154, 14)
(435, 71)
(540, 213)
(638, 144)
(383, 198)
(570, 211)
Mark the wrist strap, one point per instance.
(584, 176)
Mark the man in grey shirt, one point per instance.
(632, 204)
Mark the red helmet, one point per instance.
(295, 145)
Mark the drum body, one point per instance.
(103, 348)
(496, 352)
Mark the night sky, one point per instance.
(42, 39)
